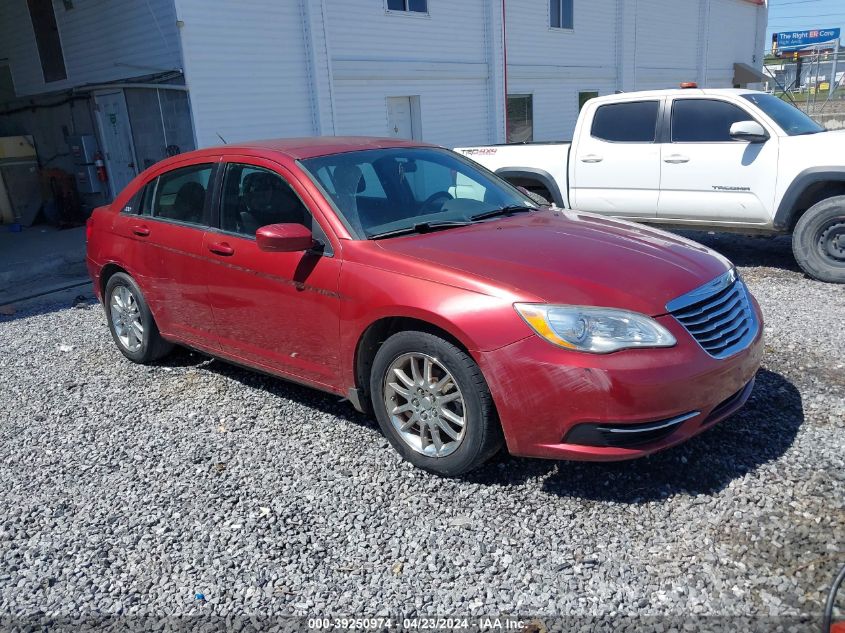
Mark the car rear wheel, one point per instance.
(819, 240)
(130, 321)
(433, 404)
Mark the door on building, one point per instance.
(706, 175)
(116, 133)
(403, 117)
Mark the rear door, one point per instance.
(162, 229)
(279, 310)
(708, 176)
(616, 160)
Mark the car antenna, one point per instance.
(221, 138)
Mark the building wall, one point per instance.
(101, 42)
(625, 45)
(254, 82)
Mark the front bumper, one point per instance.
(554, 403)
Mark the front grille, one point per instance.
(718, 315)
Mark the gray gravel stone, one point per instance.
(135, 489)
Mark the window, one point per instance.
(416, 185)
(411, 6)
(520, 118)
(47, 39)
(704, 120)
(254, 197)
(180, 194)
(787, 116)
(562, 14)
(583, 97)
(634, 122)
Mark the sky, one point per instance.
(801, 15)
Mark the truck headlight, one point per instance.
(595, 330)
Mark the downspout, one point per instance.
(505, 63)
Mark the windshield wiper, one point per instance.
(508, 210)
(422, 227)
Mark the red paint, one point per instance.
(300, 315)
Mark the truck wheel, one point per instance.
(819, 240)
(433, 404)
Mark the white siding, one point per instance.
(733, 39)
(624, 45)
(443, 57)
(667, 35)
(247, 69)
(101, 41)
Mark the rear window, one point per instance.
(634, 122)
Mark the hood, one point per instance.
(824, 148)
(565, 257)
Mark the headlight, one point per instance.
(596, 330)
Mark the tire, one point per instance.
(543, 197)
(819, 240)
(462, 447)
(121, 313)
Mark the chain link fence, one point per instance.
(808, 82)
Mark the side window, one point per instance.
(254, 197)
(704, 120)
(180, 194)
(133, 205)
(634, 122)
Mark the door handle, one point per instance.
(141, 230)
(592, 158)
(221, 248)
(676, 159)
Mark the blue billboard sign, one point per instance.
(798, 40)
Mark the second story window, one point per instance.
(562, 14)
(408, 6)
(47, 39)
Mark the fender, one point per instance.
(532, 173)
(786, 209)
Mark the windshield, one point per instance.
(787, 116)
(385, 191)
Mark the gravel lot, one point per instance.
(195, 487)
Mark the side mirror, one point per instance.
(750, 131)
(284, 238)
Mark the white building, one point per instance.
(154, 77)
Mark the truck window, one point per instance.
(633, 122)
(704, 120)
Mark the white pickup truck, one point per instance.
(724, 160)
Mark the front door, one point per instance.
(707, 176)
(616, 163)
(280, 310)
(116, 132)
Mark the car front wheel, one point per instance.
(433, 404)
(130, 321)
(819, 240)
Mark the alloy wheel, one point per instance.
(126, 319)
(425, 404)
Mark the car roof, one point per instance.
(672, 92)
(304, 147)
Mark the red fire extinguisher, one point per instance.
(100, 165)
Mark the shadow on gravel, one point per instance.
(759, 433)
(278, 387)
(744, 250)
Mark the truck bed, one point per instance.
(539, 167)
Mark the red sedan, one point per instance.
(427, 290)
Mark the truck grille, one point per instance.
(718, 315)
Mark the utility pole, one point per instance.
(833, 71)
